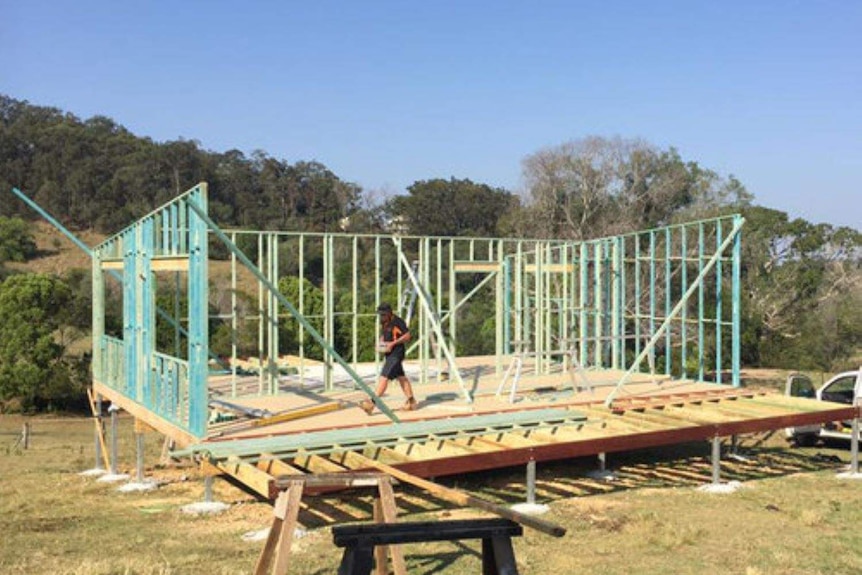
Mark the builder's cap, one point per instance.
(384, 308)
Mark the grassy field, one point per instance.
(792, 516)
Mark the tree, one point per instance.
(31, 361)
(597, 187)
(452, 208)
(16, 240)
(802, 283)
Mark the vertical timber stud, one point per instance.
(598, 302)
(300, 328)
(539, 298)
(616, 278)
(652, 298)
(234, 333)
(98, 319)
(737, 292)
(701, 366)
(148, 316)
(198, 312)
(519, 293)
(439, 300)
(565, 308)
(668, 290)
(261, 312)
(637, 296)
(621, 319)
(453, 297)
(376, 299)
(354, 303)
(718, 306)
(129, 304)
(424, 271)
(500, 298)
(272, 317)
(683, 253)
(328, 313)
(582, 305)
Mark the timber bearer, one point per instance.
(394, 334)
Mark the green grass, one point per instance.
(793, 515)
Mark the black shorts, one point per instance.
(392, 367)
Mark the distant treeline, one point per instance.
(95, 174)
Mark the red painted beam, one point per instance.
(623, 442)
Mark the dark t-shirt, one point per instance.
(392, 331)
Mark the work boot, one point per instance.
(367, 406)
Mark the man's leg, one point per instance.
(367, 405)
(382, 384)
(407, 388)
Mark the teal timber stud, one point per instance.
(130, 305)
(736, 314)
(198, 310)
(718, 307)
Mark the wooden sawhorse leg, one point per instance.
(385, 511)
(281, 533)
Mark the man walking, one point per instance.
(395, 334)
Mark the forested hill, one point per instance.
(95, 174)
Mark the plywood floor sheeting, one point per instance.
(550, 420)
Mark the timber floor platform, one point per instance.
(552, 417)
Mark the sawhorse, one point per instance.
(290, 490)
(361, 541)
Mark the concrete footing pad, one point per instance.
(93, 472)
(205, 508)
(849, 475)
(134, 486)
(729, 487)
(113, 477)
(530, 508)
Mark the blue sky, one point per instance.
(386, 93)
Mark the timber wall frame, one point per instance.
(661, 301)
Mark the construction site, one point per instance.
(601, 346)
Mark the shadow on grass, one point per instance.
(683, 465)
(428, 563)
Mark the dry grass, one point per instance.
(793, 516)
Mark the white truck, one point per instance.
(845, 388)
